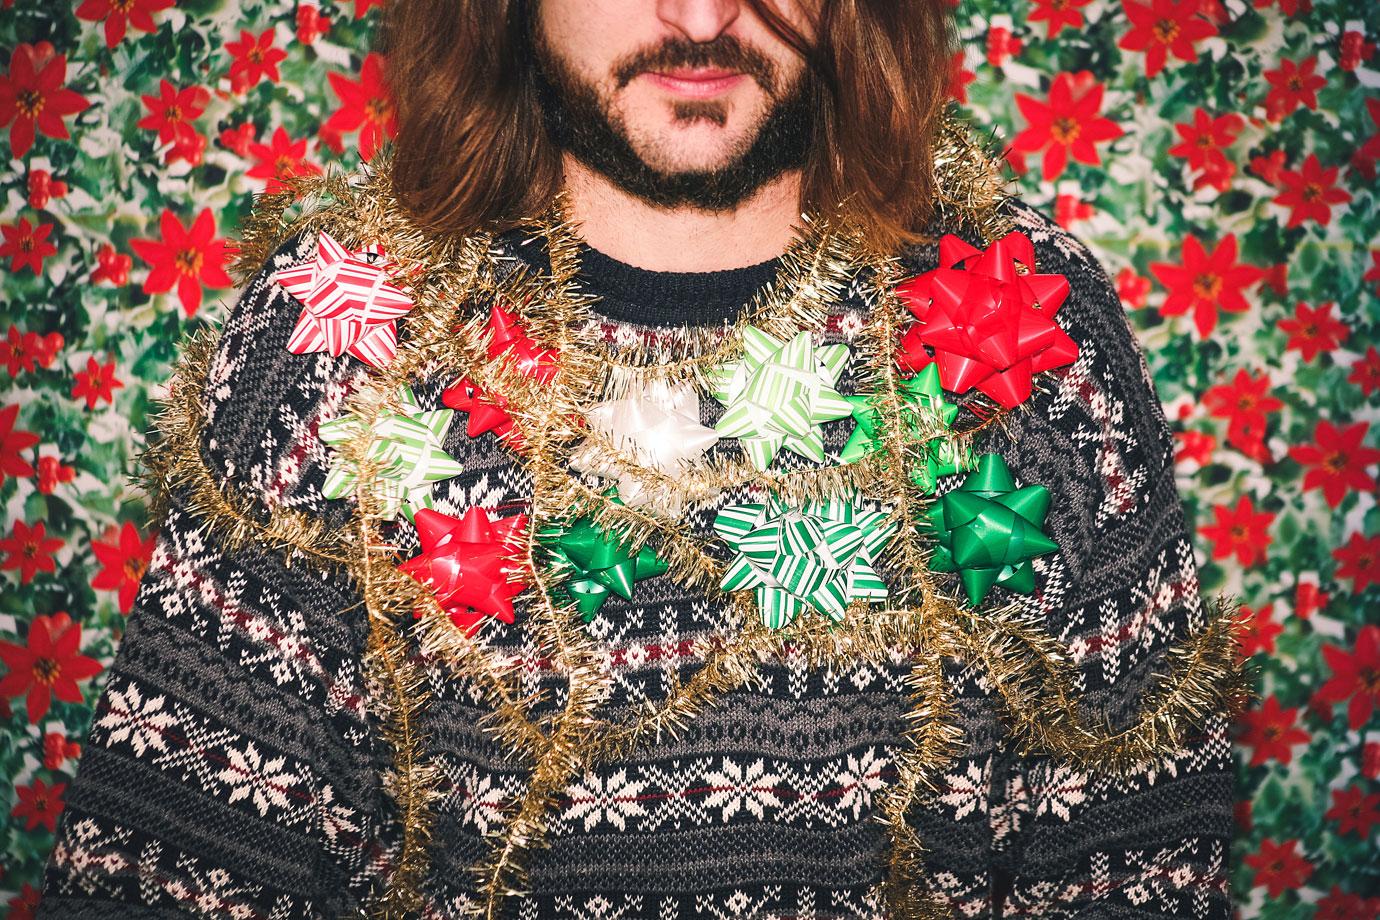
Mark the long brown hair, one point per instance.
(472, 150)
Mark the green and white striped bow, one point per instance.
(779, 394)
(409, 447)
(818, 555)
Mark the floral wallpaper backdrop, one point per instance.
(1218, 155)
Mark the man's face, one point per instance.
(681, 102)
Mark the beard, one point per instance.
(581, 120)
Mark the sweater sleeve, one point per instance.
(1120, 592)
(230, 766)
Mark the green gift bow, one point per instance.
(409, 447)
(779, 394)
(817, 555)
(922, 400)
(987, 530)
(595, 563)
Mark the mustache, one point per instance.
(725, 52)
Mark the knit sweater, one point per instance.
(237, 765)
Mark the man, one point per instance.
(661, 554)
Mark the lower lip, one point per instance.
(699, 89)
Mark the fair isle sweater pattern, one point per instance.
(234, 766)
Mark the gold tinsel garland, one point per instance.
(1029, 669)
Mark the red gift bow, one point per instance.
(489, 412)
(987, 325)
(466, 562)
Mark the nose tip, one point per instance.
(699, 20)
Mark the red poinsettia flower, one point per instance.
(1162, 27)
(1261, 630)
(238, 139)
(1276, 277)
(364, 106)
(311, 23)
(172, 111)
(1058, 13)
(1308, 600)
(1310, 192)
(1069, 210)
(1314, 330)
(32, 96)
(119, 13)
(1359, 560)
(1354, 810)
(96, 383)
(1370, 760)
(959, 77)
(123, 563)
(1355, 50)
(57, 749)
(1271, 732)
(1287, 7)
(112, 266)
(364, 6)
(1365, 373)
(254, 59)
(1001, 44)
(1242, 532)
(1278, 868)
(186, 258)
(1340, 905)
(1132, 288)
(29, 350)
(30, 550)
(1268, 166)
(13, 445)
(1337, 459)
(52, 472)
(26, 245)
(48, 665)
(1203, 144)
(25, 904)
(1246, 405)
(43, 187)
(1355, 676)
(1068, 124)
(281, 158)
(1292, 85)
(1205, 283)
(39, 804)
(1194, 447)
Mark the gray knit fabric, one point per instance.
(233, 768)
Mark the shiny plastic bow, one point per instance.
(659, 427)
(467, 562)
(819, 555)
(925, 413)
(986, 325)
(348, 303)
(779, 394)
(595, 563)
(987, 530)
(409, 448)
(489, 411)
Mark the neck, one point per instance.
(682, 239)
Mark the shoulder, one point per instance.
(262, 402)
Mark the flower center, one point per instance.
(30, 102)
(1207, 287)
(46, 671)
(189, 262)
(378, 110)
(1166, 31)
(1064, 130)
